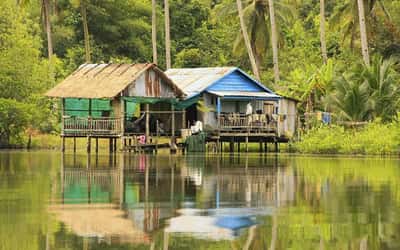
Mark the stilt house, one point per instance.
(219, 98)
(113, 100)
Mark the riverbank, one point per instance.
(373, 139)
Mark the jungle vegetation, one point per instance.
(340, 56)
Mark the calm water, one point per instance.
(50, 201)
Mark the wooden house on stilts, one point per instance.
(225, 94)
(115, 101)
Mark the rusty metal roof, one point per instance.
(104, 80)
(194, 81)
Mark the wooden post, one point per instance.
(247, 140)
(218, 112)
(276, 147)
(115, 145)
(183, 119)
(62, 143)
(147, 107)
(62, 115)
(74, 144)
(231, 146)
(173, 120)
(90, 107)
(260, 149)
(62, 125)
(265, 147)
(173, 142)
(157, 135)
(238, 147)
(88, 144)
(97, 145)
(110, 147)
(122, 109)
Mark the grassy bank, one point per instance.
(373, 139)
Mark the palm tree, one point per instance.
(46, 17)
(367, 92)
(249, 48)
(154, 30)
(45, 4)
(274, 40)
(83, 5)
(363, 31)
(256, 15)
(167, 36)
(382, 81)
(346, 17)
(350, 99)
(322, 31)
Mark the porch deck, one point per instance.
(256, 124)
(87, 126)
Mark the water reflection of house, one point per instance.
(141, 193)
(104, 221)
(234, 182)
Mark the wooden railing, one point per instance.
(240, 122)
(91, 126)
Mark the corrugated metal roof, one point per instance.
(193, 81)
(103, 80)
(261, 95)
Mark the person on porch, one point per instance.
(249, 112)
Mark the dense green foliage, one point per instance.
(374, 138)
(207, 33)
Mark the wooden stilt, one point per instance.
(115, 145)
(110, 147)
(88, 144)
(62, 144)
(265, 147)
(260, 145)
(184, 119)
(147, 108)
(247, 143)
(74, 144)
(157, 135)
(238, 147)
(173, 141)
(97, 145)
(276, 147)
(231, 146)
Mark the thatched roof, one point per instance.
(104, 80)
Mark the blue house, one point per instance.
(220, 96)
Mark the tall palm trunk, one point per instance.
(46, 12)
(247, 41)
(154, 30)
(274, 40)
(167, 36)
(363, 32)
(322, 31)
(85, 31)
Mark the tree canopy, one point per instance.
(206, 33)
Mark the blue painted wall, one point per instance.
(235, 81)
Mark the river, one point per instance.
(54, 201)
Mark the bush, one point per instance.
(374, 138)
(14, 119)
